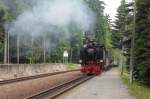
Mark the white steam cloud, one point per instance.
(47, 14)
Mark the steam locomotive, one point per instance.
(94, 58)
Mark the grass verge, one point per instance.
(71, 66)
(136, 89)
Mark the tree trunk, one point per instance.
(70, 55)
(18, 49)
(44, 50)
(8, 37)
(132, 46)
(32, 44)
(5, 48)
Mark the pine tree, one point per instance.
(128, 31)
(142, 43)
(119, 26)
(98, 7)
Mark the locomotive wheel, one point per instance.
(90, 74)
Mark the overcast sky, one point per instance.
(111, 7)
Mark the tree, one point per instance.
(98, 7)
(118, 34)
(128, 31)
(4, 16)
(119, 26)
(32, 52)
(142, 41)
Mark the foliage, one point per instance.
(136, 89)
(71, 66)
(119, 32)
(119, 26)
(98, 7)
(107, 35)
(122, 36)
(32, 51)
(142, 42)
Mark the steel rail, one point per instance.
(9, 81)
(59, 89)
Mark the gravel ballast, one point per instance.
(108, 85)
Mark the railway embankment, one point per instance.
(137, 89)
(12, 71)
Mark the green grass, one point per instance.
(136, 89)
(71, 66)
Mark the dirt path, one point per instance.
(106, 86)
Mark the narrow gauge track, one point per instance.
(59, 89)
(32, 77)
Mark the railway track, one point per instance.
(32, 77)
(59, 89)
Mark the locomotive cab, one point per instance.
(99, 55)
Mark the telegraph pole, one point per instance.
(132, 45)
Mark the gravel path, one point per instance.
(106, 86)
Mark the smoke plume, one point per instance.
(53, 16)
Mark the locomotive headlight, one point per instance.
(101, 61)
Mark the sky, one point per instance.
(111, 7)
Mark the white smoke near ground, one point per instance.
(49, 16)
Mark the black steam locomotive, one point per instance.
(93, 58)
